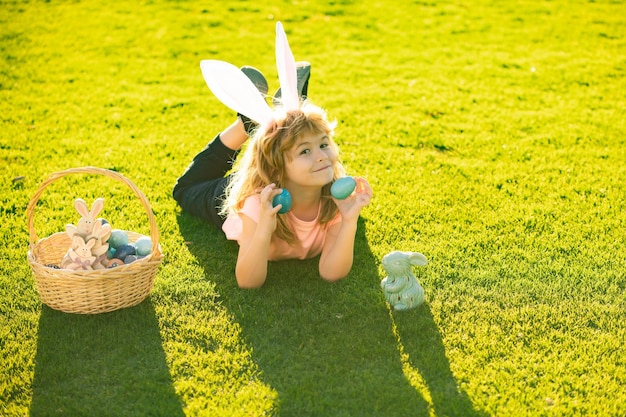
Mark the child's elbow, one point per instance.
(332, 277)
(245, 284)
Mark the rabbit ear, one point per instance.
(71, 230)
(96, 227)
(81, 207)
(100, 230)
(417, 258)
(77, 241)
(233, 88)
(105, 231)
(286, 66)
(97, 207)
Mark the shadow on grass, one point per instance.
(110, 364)
(420, 339)
(330, 349)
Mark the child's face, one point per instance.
(310, 163)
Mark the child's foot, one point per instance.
(257, 78)
(260, 83)
(303, 72)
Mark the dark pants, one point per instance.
(200, 190)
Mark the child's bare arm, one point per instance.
(337, 255)
(338, 252)
(254, 243)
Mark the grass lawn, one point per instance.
(492, 132)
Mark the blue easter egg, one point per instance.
(143, 246)
(110, 253)
(343, 187)
(283, 198)
(123, 251)
(118, 238)
(130, 259)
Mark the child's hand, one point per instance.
(351, 206)
(267, 216)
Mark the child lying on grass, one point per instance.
(291, 148)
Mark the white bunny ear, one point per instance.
(233, 88)
(81, 207)
(97, 207)
(286, 66)
(77, 241)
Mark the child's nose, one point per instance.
(321, 155)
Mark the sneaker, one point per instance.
(260, 83)
(303, 72)
(257, 79)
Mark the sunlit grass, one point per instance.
(492, 132)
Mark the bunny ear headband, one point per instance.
(233, 88)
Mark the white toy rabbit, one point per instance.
(401, 288)
(100, 236)
(88, 218)
(89, 238)
(79, 256)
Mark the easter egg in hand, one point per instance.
(118, 238)
(283, 198)
(343, 187)
(143, 246)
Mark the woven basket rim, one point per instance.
(33, 258)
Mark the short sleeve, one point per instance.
(233, 225)
(335, 220)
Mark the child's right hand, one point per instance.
(267, 216)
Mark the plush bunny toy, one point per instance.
(401, 288)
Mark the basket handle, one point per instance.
(154, 230)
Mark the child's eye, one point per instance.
(324, 145)
(304, 151)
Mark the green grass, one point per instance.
(492, 132)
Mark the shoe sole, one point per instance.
(257, 79)
(303, 73)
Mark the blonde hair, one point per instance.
(263, 163)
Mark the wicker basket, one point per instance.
(97, 291)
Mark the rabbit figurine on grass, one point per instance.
(401, 288)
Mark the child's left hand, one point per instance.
(351, 206)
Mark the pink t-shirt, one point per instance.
(311, 234)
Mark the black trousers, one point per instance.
(200, 190)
